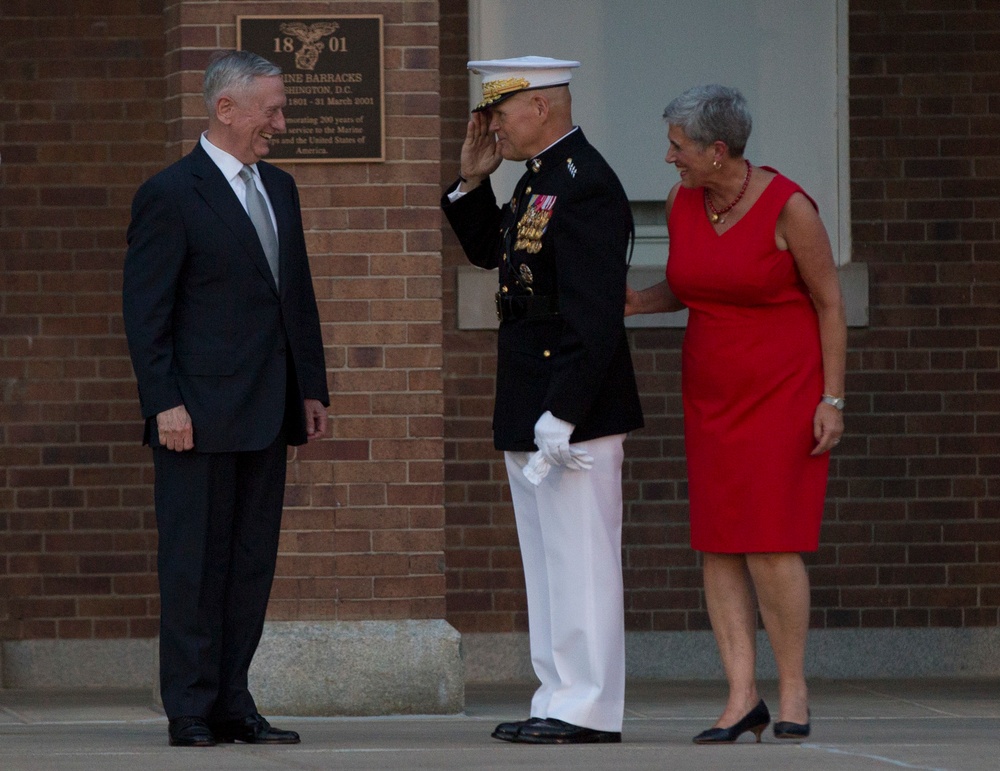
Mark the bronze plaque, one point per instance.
(334, 80)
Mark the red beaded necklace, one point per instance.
(716, 214)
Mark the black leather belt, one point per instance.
(526, 306)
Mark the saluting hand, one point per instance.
(480, 154)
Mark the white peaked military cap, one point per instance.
(505, 77)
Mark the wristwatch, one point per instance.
(835, 401)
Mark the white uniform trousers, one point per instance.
(570, 533)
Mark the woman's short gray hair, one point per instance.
(710, 114)
(234, 71)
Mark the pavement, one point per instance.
(860, 724)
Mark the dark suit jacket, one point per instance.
(206, 326)
(575, 363)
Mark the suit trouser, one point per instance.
(218, 516)
(570, 530)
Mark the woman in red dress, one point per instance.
(763, 384)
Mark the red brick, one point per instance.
(915, 478)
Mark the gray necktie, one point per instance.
(261, 219)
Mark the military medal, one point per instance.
(533, 222)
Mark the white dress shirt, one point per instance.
(230, 166)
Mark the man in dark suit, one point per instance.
(565, 393)
(225, 340)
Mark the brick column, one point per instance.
(360, 581)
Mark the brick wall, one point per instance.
(98, 96)
(911, 535)
(363, 528)
(82, 126)
(485, 583)
(914, 536)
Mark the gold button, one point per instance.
(504, 289)
(546, 354)
(527, 189)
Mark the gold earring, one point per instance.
(716, 164)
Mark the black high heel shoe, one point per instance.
(784, 729)
(755, 720)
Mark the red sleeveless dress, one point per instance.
(752, 375)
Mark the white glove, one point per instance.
(536, 469)
(552, 439)
(582, 460)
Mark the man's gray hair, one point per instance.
(712, 113)
(234, 71)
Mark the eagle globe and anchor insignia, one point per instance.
(310, 36)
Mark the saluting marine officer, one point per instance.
(565, 392)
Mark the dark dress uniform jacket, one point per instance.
(562, 344)
(206, 325)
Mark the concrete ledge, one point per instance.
(358, 668)
(77, 663)
(301, 668)
(420, 667)
(832, 653)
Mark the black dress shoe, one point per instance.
(553, 731)
(755, 720)
(508, 732)
(190, 732)
(253, 729)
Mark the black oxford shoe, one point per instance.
(552, 731)
(508, 732)
(190, 732)
(253, 729)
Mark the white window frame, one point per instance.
(579, 29)
(576, 29)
